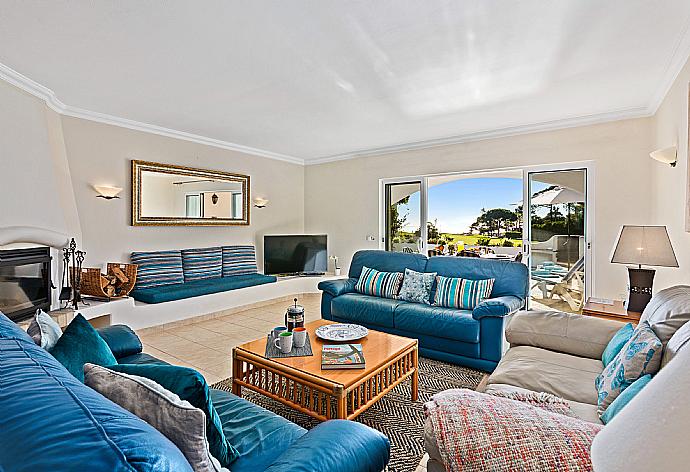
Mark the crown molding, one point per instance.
(24, 83)
(625, 114)
(679, 57)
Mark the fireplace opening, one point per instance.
(25, 282)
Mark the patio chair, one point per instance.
(466, 253)
(556, 284)
(407, 250)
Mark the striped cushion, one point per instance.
(158, 268)
(239, 260)
(202, 263)
(459, 293)
(379, 284)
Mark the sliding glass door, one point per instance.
(403, 216)
(557, 245)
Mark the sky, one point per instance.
(457, 204)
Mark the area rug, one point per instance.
(394, 415)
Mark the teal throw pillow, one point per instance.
(640, 356)
(189, 385)
(465, 294)
(379, 284)
(416, 286)
(81, 344)
(624, 398)
(616, 343)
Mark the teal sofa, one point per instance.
(53, 422)
(165, 276)
(472, 338)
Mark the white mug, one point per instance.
(299, 336)
(284, 342)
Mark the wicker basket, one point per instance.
(91, 279)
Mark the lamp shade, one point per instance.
(644, 245)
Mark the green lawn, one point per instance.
(471, 240)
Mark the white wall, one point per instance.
(670, 184)
(101, 154)
(35, 184)
(341, 198)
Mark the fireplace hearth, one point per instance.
(25, 281)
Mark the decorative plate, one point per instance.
(341, 332)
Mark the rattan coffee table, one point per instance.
(299, 382)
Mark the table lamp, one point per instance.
(643, 245)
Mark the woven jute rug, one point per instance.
(394, 415)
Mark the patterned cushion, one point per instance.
(641, 355)
(475, 431)
(616, 343)
(379, 284)
(459, 293)
(239, 260)
(202, 263)
(416, 286)
(158, 268)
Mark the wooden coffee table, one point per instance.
(299, 382)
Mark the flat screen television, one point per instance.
(295, 254)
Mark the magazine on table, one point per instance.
(342, 356)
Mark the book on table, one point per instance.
(342, 356)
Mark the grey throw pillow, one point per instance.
(416, 286)
(176, 419)
(44, 330)
(667, 311)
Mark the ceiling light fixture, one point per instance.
(260, 202)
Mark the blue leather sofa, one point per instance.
(472, 338)
(165, 276)
(53, 422)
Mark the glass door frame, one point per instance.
(383, 208)
(589, 168)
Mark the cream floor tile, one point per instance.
(225, 326)
(223, 369)
(203, 357)
(257, 324)
(197, 334)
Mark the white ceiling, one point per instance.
(324, 79)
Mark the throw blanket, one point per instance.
(542, 400)
(479, 432)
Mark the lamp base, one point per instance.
(641, 281)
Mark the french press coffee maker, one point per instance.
(294, 316)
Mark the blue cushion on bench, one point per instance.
(202, 263)
(158, 268)
(167, 293)
(239, 260)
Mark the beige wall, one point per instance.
(670, 184)
(101, 154)
(341, 198)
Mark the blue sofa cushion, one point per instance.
(239, 260)
(511, 277)
(379, 284)
(360, 308)
(465, 294)
(169, 293)
(338, 287)
(189, 385)
(441, 322)
(259, 435)
(121, 340)
(499, 306)
(386, 262)
(158, 268)
(202, 263)
(79, 344)
(51, 420)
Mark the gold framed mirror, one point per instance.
(170, 195)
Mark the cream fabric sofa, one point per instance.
(560, 353)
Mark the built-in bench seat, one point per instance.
(168, 293)
(165, 276)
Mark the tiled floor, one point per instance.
(207, 345)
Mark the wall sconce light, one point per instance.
(107, 192)
(667, 155)
(214, 199)
(260, 202)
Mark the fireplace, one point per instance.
(25, 281)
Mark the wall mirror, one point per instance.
(167, 195)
